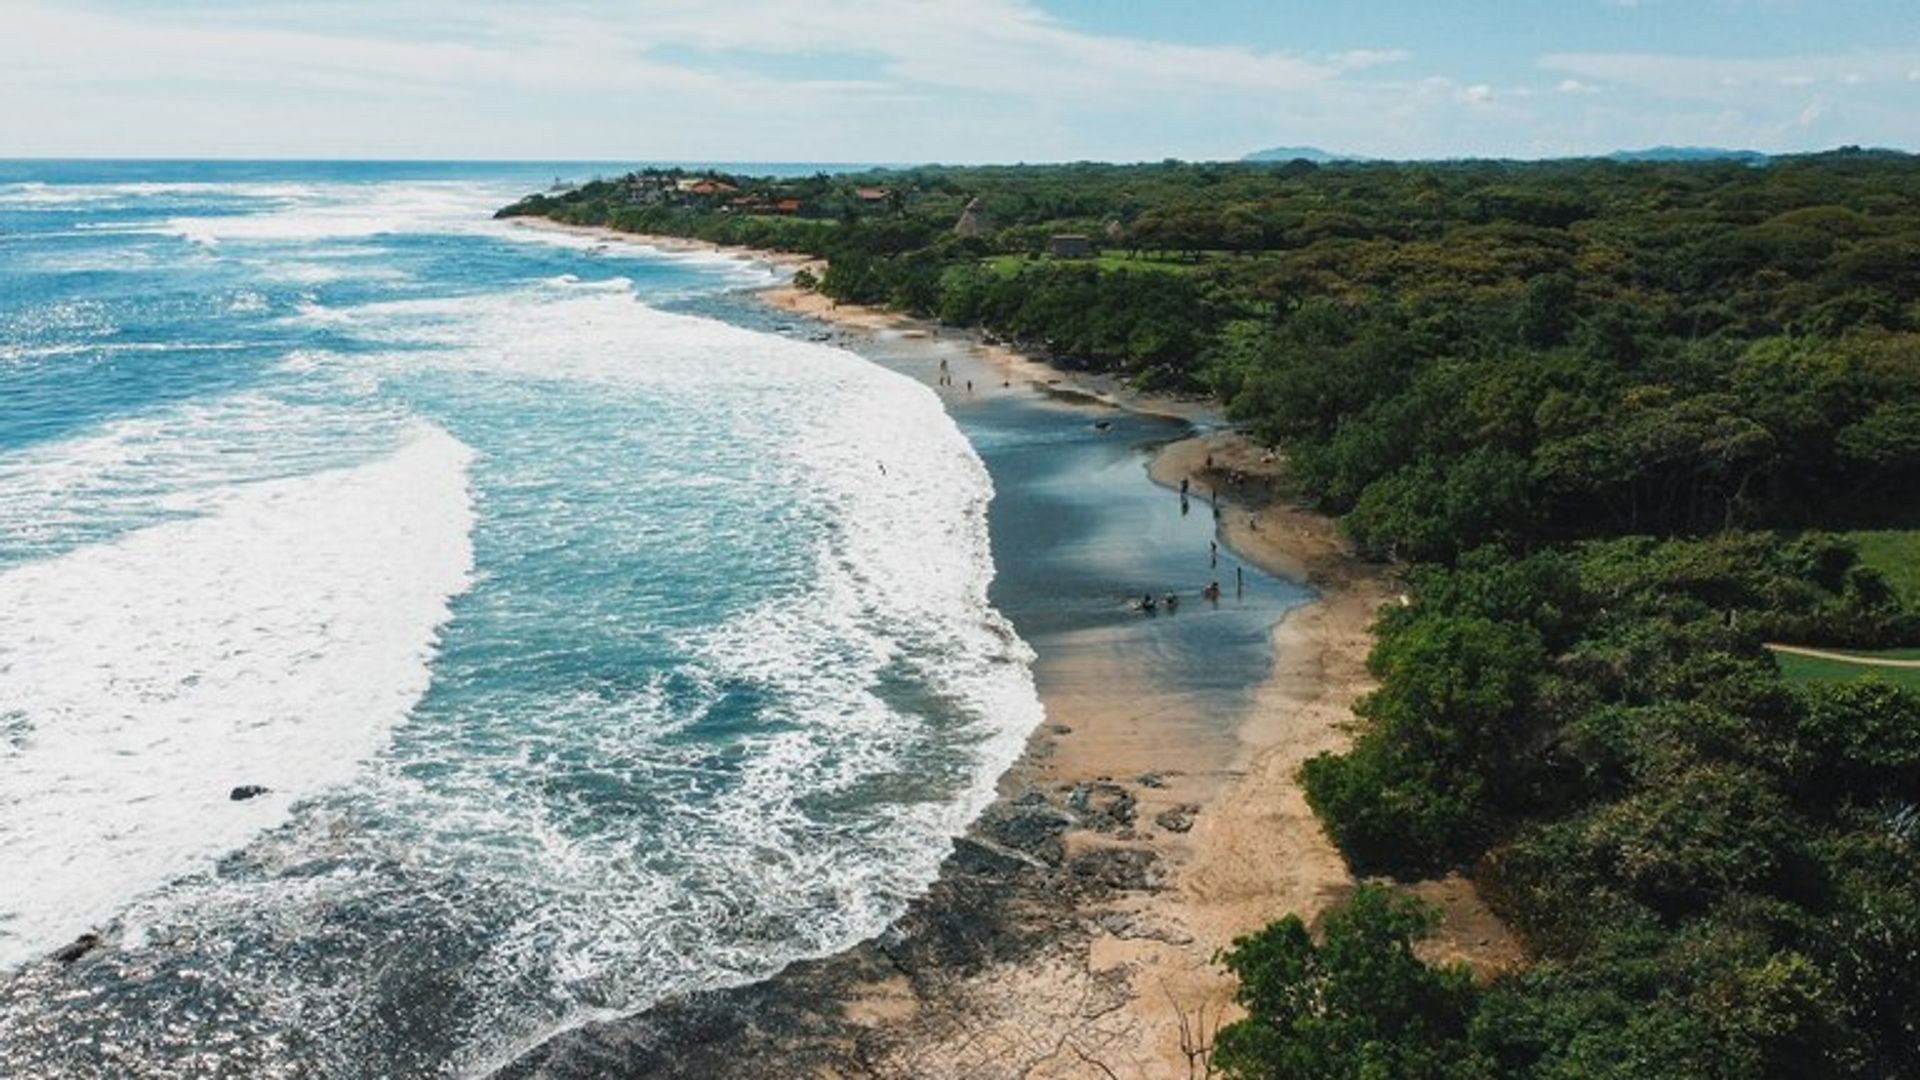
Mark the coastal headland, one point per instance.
(1074, 929)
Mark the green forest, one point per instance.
(1620, 426)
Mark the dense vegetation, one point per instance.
(1600, 412)
(1717, 873)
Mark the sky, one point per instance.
(902, 81)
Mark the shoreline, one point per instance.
(1073, 930)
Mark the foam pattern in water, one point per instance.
(592, 653)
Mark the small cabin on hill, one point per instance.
(1070, 246)
(871, 196)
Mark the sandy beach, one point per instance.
(1074, 931)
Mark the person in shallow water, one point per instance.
(1172, 602)
(1146, 603)
(1212, 591)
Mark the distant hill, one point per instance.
(1300, 153)
(1688, 153)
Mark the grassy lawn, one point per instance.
(1881, 654)
(1811, 669)
(1896, 554)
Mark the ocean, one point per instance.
(585, 649)
(596, 634)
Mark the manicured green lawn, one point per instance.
(1812, 669)
(1896, 554)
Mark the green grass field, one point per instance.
(1896, 554)
(1813, 669)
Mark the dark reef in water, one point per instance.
(1007, 893)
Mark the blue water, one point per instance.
(589, 652)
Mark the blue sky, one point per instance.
(949, 80)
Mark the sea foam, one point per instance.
(723, 682)
(833, 808)
(273, 639)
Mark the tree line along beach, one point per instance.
(1596, 435)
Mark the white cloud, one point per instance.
(1357, 59)
(891, 78)
(1722, 77)
(833, 80)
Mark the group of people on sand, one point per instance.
(1171, 601)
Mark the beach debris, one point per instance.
(247, 791)
(80, 946)
(1177, 819)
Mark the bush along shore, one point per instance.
(1617, 425)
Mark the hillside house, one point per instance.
(704, 186)
(1070, 246)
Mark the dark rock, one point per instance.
(1151, 780)
(247, 791)
(1178, 818)
(80, 947)
(1134, 925)
(1006, 894)
(1104, 871)
(1102, 807)
(1032, 828)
